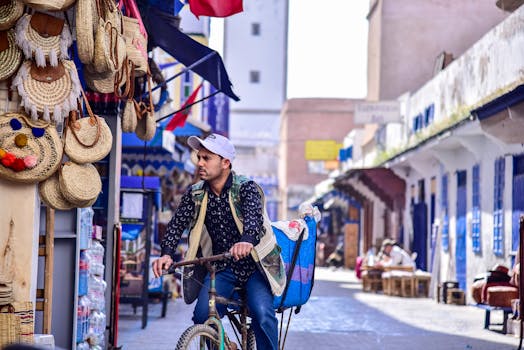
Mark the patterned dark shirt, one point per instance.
(221, 225)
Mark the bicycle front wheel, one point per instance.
(199, 337)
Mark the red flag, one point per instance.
(215, 8)
(179, 119)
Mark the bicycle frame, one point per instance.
(213, 316)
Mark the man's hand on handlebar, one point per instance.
(160, 264)
(240, 250)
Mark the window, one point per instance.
(475, 210)
(186, 86)
(254, 76)
(498, 207)
(255, 29)
(444, 208)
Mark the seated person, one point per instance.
(392, 255)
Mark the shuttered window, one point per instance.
(475, 210)
(445, 217)
(498, 207)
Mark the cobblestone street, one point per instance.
(340, 316)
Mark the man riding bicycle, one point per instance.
(225, 212)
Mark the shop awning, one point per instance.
(199, 58)
(383, 182)
(503, 117)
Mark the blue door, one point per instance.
(460, 251)
(420, 234)
(518, 199)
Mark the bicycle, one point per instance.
(211, 334)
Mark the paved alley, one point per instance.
(340, 316)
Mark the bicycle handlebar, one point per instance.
(199, 261)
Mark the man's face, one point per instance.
(210, 165)
(387, 249)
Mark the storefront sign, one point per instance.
(381, 112)
(322, 149)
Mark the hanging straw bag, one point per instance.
(10, 54)
(31, 150)
(51, 195)
(146, 126)
(44, 37)
(49, 5)
(129, 115)
(10, 12)
(87, 140)
(9, 326)
(79, 183)
(110, 45)
(136, 36)
(48, 90)
(85, 17)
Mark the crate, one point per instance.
(455, 296)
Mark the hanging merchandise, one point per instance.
(87, 140)
(10, 54)
(146, 126)
(45, 37)
(10, 12)
(84, 22)
(30, 151)
(110, 45)
(49, 5)
(79, 183)
(48, 90)
(51, 195)
(136, 37)
(101, 82)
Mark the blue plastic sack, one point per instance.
(300, 280)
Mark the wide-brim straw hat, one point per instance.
(10, 12)
(100, 82)
(79, 183)
(56, 98)
(11, 57)
(51, 194)
(38, 158)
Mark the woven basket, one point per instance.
(41, 155)
(51, 195)
(146, 127)
(79, 183)
(99, 82)
(136, 45)
(10, 13)
(129, 118)
(87, 140)
(56, 98)
(9, 98)
(110, 48)
(50, 5)
(10, 58)
(24, 311)
(9, 326)
(49, 48)
(85, 30)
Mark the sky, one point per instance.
(327, 48)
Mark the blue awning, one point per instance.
(499, 104)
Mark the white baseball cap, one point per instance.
(215, 143)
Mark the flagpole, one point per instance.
(188, 106)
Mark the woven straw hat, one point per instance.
(50, 5)
(10, 12)
(30, 151)
(88, 140)
(11, 57)
(51, 195)
(50, 48)
(57, 97)
(79, 183)
(99, 82)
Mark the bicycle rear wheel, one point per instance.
(199, 337)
